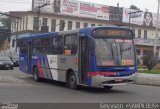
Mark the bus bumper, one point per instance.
(100, 81)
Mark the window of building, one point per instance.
(13, 42)
(20, 24)
(15, 25)
(35, 23)
(69, 25)
(145, 34)
(77, 25)
(85, 25)
(53, 25)
(71, 43)
(26, 23)
(62, 25)
(99, 25)
(138, 51)
(145, 52)
(139, 33)
(92, 25)
(44, 22)
(23, 23)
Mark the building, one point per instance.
(53, 22)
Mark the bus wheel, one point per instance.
(108, 87)
(35, 74)
(72, 81)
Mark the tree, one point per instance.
(6, 22)
(134, 7)
(150, 60)
(5, 29)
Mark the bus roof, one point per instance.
(84, 31)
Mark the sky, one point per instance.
(25, 5)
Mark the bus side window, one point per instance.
(58, 43)
(36, 50)
(46, 44)
(36, 46)
(71, 43)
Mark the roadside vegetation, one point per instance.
(154, 71)
(150, 64)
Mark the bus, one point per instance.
(92, 56)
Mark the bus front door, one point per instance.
(84, 59)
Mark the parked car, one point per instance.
(15, 60)
(5, 62)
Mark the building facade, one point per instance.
(52, 22)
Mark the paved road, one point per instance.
(21, 88)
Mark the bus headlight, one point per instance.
(131, 68)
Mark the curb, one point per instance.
(148, 79)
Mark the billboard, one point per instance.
(97, 11)
(155, 20)
(75, 8)
(138, 19)
(141, 18)
(115, 13)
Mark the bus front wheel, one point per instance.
(72, 81)
(35, 74)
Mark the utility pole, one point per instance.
(156, 33)
(38, 14)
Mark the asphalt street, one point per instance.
(17, 87)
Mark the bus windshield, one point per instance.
(114, 52)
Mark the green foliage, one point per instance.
(150, 60)
(6, 22)
(5, 29)
(149, 72)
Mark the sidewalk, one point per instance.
(148, 79)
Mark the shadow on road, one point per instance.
(81, 88)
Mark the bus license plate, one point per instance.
(119, 80)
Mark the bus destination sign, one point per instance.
(112, 33)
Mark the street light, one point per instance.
(155, 40)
